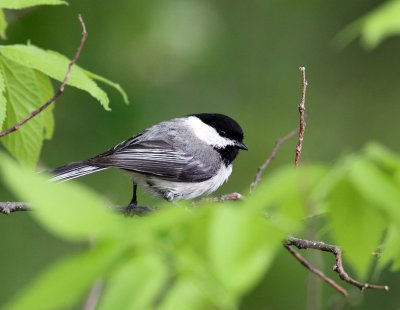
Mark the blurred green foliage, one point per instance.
(217, 252)
(177, 57)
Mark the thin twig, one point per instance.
(317, 272)
(60, 89)
(302, 110)
(94, 295)
(10, 206)
(15, 206)
(270, 158)
(318, 245)
(338, 267)
(222, 198)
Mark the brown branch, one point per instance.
(94, 295)
(60, 89)
(302, 110)
(319, 245)
(270, 158)
(317, 272)
(338, 267)
(9, 207)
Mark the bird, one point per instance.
(181, 158)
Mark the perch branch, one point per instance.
(338, 267)
(60, 89)
(94, 295)
(9, 207)
(302, 110)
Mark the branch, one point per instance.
(60, 89)
(338, 267)
(318, 245)
(270, 158)
(94, 295)
(15, 206)
(302, 110)
(9, 207)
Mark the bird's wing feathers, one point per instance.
(155, 157)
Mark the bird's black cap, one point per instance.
(224, 125)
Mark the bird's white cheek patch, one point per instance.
(207, 133)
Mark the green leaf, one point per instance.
(374, 27)
(66, 282)
(20, 4)
(66, 209)
(135, 284)
(382, 156)
(3, 25)
(241, 247)
(55, 66)
(357, 225)
(46, 91)
(110, 83)
(186, 294)
(376, 187)
(23, 95)
(288, 189)
(3, 101)
(391, 249)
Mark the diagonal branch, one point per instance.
(270, 158)
(319, 245)
(60, 89)
(338, 267)
(12, 206)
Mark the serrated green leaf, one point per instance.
(135, 284)
(376, 187)
(20, 4)
(3, 25)
(374, 27)
(46, 91)
(391, 249)
(357, 225)
(288, 188)
(110, 83)
(186, 294)
(55, 66)
(383, 156)
(241, 247)
(23, 95)
(65, 209)
(3, 101)
(66, 282)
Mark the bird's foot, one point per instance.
(135, 210)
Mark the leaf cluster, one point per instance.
(183, 256)
(25, 73)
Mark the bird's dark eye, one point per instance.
(222, 133)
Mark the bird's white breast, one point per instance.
(182, 190)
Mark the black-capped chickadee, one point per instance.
(182, 158)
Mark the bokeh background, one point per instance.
(241, 58)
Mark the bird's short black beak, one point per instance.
(241, 145)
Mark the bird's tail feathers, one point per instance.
(74, 170)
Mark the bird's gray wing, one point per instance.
(155, 157)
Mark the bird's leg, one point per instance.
(133, 208)
(134, 198)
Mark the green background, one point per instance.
(240, 58)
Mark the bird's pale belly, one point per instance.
(172, 191)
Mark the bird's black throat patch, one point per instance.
(228, 154)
